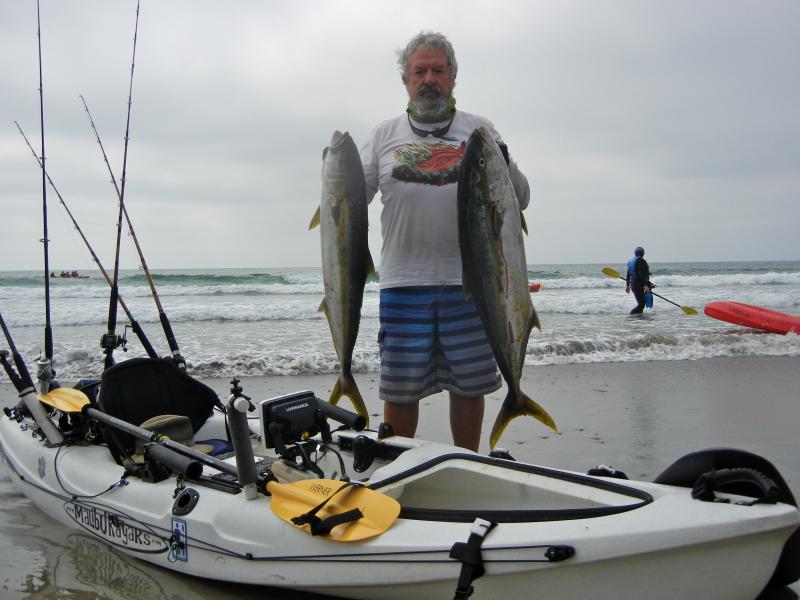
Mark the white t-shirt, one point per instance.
(418, 180)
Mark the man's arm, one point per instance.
(369, 160)
(520, 183)
(518, 179)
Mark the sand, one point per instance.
(636, 417)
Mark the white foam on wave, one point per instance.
(661, 346)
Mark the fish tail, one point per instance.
(517, 407)
(346, 386)
(314, 220)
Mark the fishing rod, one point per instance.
(46, 372)
(9, 369)
(27, 391)
(137, 329)
(162, 315)
(111, 340)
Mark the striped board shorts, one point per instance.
(432, 339)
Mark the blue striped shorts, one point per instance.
(432, 339)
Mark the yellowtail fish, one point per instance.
(495, 272)
(346, 260)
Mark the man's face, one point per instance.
(428, 76)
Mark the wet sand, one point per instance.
(636, 417)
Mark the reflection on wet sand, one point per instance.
(44, 560)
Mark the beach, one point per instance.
(637, 417)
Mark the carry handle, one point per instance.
(714, 480)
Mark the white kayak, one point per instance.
(467, 522)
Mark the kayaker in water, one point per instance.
(638, 280)
(430, 338)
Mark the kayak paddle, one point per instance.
(686, 309)
(68, 400)
(337, 510)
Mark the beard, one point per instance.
(430, 107)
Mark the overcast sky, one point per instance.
(674, 125)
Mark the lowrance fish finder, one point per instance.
(291, 418)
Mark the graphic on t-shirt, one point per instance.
(432, 164)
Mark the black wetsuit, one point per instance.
(638, 276)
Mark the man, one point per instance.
(638, 280)
(431, 338)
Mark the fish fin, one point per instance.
(517, 407)
(523, 222)
(314, 220)
(534, 322)
(346, 386)
(323, 307)
(370, 264)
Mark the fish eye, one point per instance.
(481, 162)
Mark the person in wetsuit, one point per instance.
(638, 279)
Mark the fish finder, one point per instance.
(289, 419)
(294, 417)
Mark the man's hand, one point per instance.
(627, 290)
(503, 150)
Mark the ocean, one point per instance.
(265, 322)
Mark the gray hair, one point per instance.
(431, 40)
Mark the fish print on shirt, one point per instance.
(431, 164)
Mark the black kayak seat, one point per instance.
(139, 389)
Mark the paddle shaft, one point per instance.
(658, 295)
(149, 436)
(608, 271)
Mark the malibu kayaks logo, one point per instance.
(114, 530)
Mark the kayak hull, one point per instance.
(630, 539)
(754, 317)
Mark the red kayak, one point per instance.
(753, 316)
(534, 287)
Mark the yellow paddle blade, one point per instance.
(689, 310)
(612, 273)
(378, 511)
(65, 399)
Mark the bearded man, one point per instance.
(431, 338)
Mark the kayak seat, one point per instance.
(139, 389)
(178, 428)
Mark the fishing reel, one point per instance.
(112, 341)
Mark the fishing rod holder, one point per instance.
(45, 374)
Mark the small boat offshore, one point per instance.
(288, 502)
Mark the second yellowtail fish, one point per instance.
(495, 272)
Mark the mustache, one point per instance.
(430, 88)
